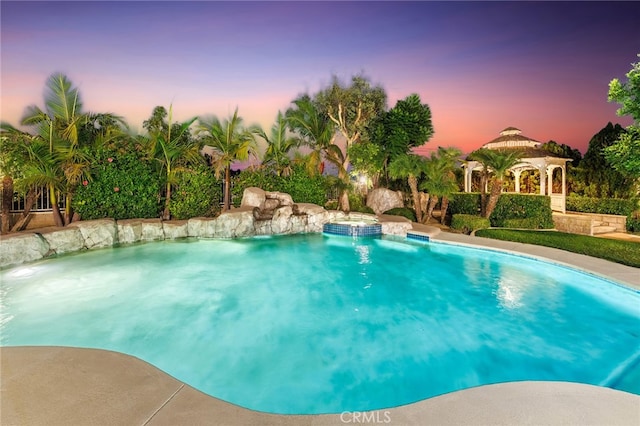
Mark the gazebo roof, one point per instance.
(512, 139)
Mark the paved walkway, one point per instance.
(73, 386)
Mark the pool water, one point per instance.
(326, 324)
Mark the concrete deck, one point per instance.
(72, 386)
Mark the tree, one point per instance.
(410, 167)
(497, 162)
(440, 182)
(407, 125)
(58, 124)
(351, 108)
(599, 178)
(367, 159)
(230, 142)
(173, 148)
(279, 144)
(314, 128)
(448, 158)
(624, 155)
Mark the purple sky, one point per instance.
(543, 67)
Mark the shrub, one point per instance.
(633, 221)
(468, 223)
(196, 193)
(305, 188)
(357, 203)
(617, 206)
(331, 205)
(123, 186)
(535, 208)
(302, 187)
(464, 203)
(402, 211)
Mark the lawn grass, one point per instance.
(624, 252)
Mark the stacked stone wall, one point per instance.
(86, 235)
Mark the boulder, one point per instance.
(281, 222)
(400, 227)
(308, 209)
(271, 204)
(263, 227)
(129, 231)
(315, 216)
(381, 200)
(175, 229)
(298, 224)
(283, 198)
(152, 230)
(235, 223)
(97, 233)
(201, 227)
(19, 248)
(63, 240)
(253, 197)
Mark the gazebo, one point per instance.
(534, 158)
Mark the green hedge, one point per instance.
(618, 206)
(197, 193)
(123, 186)
(302, 187)
(633, 221)
(464, 203)
(468, 223)
(536, 209)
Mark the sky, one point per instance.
(543, 67)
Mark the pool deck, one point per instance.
(73, 386)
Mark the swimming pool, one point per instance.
(320, 324)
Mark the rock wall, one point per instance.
(242, 222)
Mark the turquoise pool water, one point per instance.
(326, 324)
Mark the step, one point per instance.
(595, 230)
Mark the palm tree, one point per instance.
(449, 156)
(411, 167)
(499, 163)
(59, 124)
(173, 149)
(314, 128)
(440, 182)
(230, 142)
(278, 146)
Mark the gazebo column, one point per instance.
(468, 174)
(564, 180)
(517, 174)
(543, 179)
(563, 203)
(550, 179)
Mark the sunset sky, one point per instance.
(543, 67)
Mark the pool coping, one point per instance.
(61, 385)
(627, 276)
(74, 386)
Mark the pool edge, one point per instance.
(62, 385)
